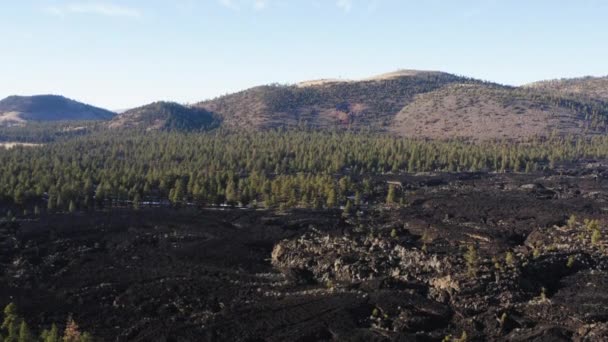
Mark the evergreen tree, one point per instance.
(231, 193)
(72, 206)
(136, 201)
(391, 196)
(331, 197)
(348, 208)
(50, 335)
(11, 323)
(24, 333)
(72, 332)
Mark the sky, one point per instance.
(121, 54)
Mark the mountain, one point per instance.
(369, 103)
(408, 103)
(412, 103)
(592, 87)
(165, 116)
(17, 110)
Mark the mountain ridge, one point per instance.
(412, 103)
(408, 103)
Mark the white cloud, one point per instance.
(345, 5)
(97, 8)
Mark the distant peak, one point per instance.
(401, 73)
(381, 77)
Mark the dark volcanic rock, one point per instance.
(398, 274)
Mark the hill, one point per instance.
(414, 103)
(165, 116)
(484, 111)
(370, 103)
(17, 110)
(592, 87)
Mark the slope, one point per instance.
(165, 116)
(17, 110)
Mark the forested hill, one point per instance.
(370, 103)
(17, 110)
(165, 116)
(592, 87)
(422, 104)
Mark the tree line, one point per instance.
(280, 168)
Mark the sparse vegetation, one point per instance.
(15, 329)
(472, 260)
(510, 258)
(394, 233)
(570, 262)
(571, 221)
(596, 236)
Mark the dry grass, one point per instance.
(474, 111)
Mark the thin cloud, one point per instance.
(259, 5)
(95, 8)
(345, 5)
(230, 4)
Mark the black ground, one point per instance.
(207, 275)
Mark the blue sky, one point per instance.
(119, 54)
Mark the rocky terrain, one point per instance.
(469, 256)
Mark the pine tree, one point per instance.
(391, 196)
(50, 335)
(136, 201)
(72, 206)
(176, 194)
(52, 201)
(11, 323)
(472, 260)
(331, 197)
(72, 332)
(348, 208)
(24, 333)
(86, 337)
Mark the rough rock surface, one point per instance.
(404, 273)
